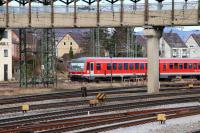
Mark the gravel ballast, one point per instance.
(178, 125)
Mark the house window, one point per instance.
(184, 53)
(5, 53)
(64, 43)
(174, 53)
(5, 34)
(70, 43)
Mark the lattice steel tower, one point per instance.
(48, 53)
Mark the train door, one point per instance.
(91, 68)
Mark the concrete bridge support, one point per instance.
(153, 35)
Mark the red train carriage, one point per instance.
(104, 67)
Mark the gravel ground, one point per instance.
(14, 90)
(155, 127)
(34, 112)
(77, 99)
(178, 125)
(76, 107)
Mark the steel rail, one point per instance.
(100, 109)
(85, 102)
(77, 93)
(124, 118)
(71, 124)
(138, 122)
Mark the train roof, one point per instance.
(83, 59)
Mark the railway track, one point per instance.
(67, 94)
(142, 120)
(109, 99)
(110, 121)
(37, 118)
(77, 93)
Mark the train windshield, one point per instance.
(77, 65)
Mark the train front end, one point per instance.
(77, 69)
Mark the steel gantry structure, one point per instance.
(97, 16)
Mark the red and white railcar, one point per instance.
(103, 67)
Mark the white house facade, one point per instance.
(6, 56)
(193, 44)
(171, 46)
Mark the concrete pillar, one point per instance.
(185, 5)
(160, 5)
(153, 35)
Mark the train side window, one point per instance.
(108, 66)
(88, 66)
(185, 66)
(142, 66)
(98, 66)
(180, 66)
(136, 66)
(120, 66)
(199, 65)
(170, 66)
(195, 65)
(164, 67)
(190, 66)
(125, 66)
(146, 66)
(175, 65)
(131, 66)
(114, 66)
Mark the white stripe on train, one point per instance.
(130, 74)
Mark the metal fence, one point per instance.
(102, 8)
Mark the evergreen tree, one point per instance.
(71, 53)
